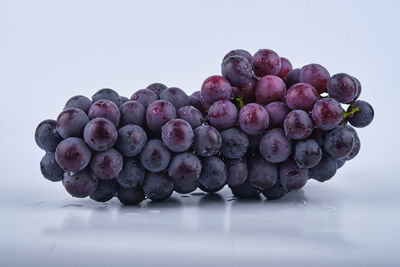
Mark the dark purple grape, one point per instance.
(357, 144)
(71, 122)
(340, 163)
(215, 88)
(158, 113)
(46, 135)
(144, 97)
(253, 119)
(123, 99)
(80, 184)
(237, 171)
(327, 113)
(176, 96)
(291, 176)
(50, 168)
(132, 112)
(105, 190)
(238, 52)
(155, 156)
(107, 94)
(316, 75)
(245, 191)
(177, 135)
(274, 192)
(254, 141)
(107, 164)
(292, 77)
(277, 112)
(359, 88)
(130, 196)
(301, 96)
(236, 92)
(207, 141)
(262, 174)
(286, 66)
(72, 154)
(307, 153)
(157, 186)
(132, 173)
(266, 62)
(298, 125)
(270, 88)
(319, 136)
(79, 101)
(222, 114)
(248, 91)
(186, 188)
(342, 87)
(237, 70)
(105, 109)
(157, 88)
(234, 143)
(213, 174)
(131, 140)
(100, 134)
(196, 94)
(339, 142)
(325, 169)
(195, 102)
(275, 146)
(192, 115)
(364, 116)
(185, 169)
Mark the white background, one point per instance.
(52, 50)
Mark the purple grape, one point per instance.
(195, 102)
(245, 191)
(213, 174)
(291, 176)
(144, 97)
(81, 184)
(339, 142)
(105, 190)
(253, 119)
(325, 169)
(319, 136)
(237, 70)
(157, 88)
(238, 52)
(222, 114)
(46, 135)
(364, 116)
(192, 115)
(177, 135)
(248, 91)
(185, 169)
(72, 154)
(131, 140)
(270, 88)
(50, 168)
(237, 171)
(286, 66)
(215, 88)
(105, 109)
(158, 113)
(130, 196)
(132, 112)
(340, 163)
(307, 153)
(157, 186)
(275, 146)
(100, 134)
(176, 96)
(359, 88)
(298, 125)
(123, 99)
(71, 122)
(357, 144)
(155, 156)
(186, 188)
(234, 143)
(327, 113)
(79, 101)
(107, 164)
(207, 141)
(262, 174)
(301, 96)
(277, 112)
(266, 62)
(132, 173)
(107, 94)
(292, 77)
(274, 192)
(196, 94)
(342, 87)
(316, 75)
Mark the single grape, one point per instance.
(262, 174)
(238, 52)
(266, 62)
(339, 142)
(292, 77)
(195, 102)
(105, 109)
(358, 84)
(107, 164)
(157, 88)
(131, 195)
(158, 113)
(207, 141)
(325, 169)
(176, 96)
(277, 112)
(274, 192)
(316, 75)
(132, 173)
(107, 94)
(131, 140)
(132, 112)
(298, 125)
(286, 66)
(186, 188)
(72, 154)
(234, 143)
(275, 146)
(291, 176)
(364, 116)
(50, 168)
(155, 156)
(327, 113)
(105, 190)
(79, 101)
(307, 153)
(253, 119)
(213, 174)
(144, 97)
(301, 96)
(80, 184)
(100, 134)
(237, 171)
(157, 186)
(192, 115)
(222, 114)
(270, 88)
(177, 135)
(245, 191)
(357, 144)
(215, 88)
(123, 99)
(342, 87)
(237, 70)
(71, 122)
(184, 169)
(46, 135)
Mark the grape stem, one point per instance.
(240, 99)
(351, 112)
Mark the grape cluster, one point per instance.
(260, 127)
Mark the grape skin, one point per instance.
(277, 112)
(266, 62)
(155, 156)
(132, 112)
(291, 176)
(364, 116)
(176, 96)
(357, 144)
(297, 125)
(186, 188)
(253, 119)
(132, 173)
(222, 114)
(50, 168)
(194, 101)
(46, 135)
(307, 153)
(105, 109)
(359, 88)
(274, 146)
(237, 70)
(144, 97)
(80, 184)
(215, 88)
(274, 192)
(185, 169)
(238, 52)
(339, 142)
(301, 96)
(342, 87)
(131, 140)
(207, 141)
(177, 135)
(234, 143)
(158, 113)
(107, 164)
(286, 66)
(105, 190)
(130, 196)
(107, 94)
(315, 75)
(157, 88)
(79, 101)
(292, 77)
(237, 171)
(213, 174)
(192, 115)
(262, 174)
(157, 186)
(100, 134)
(72, 154)
(270, 88)
(327, 113)
(71, 122)
(245, 191)
(325, 169)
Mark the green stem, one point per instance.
(351, 112)
(240, 100)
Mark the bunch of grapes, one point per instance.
(261, 127)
